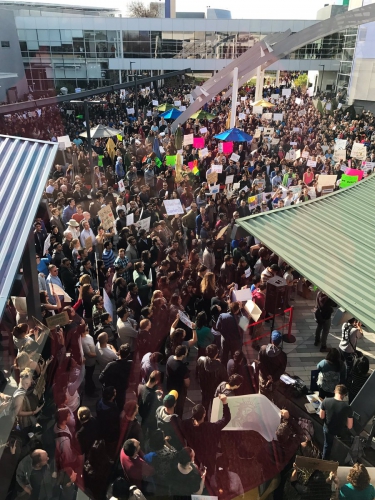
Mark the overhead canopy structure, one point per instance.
(101, 131)
(331, 242)
(24, 168)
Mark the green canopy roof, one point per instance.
(331, 242)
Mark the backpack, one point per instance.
(328, 380)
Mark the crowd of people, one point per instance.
(144, 298)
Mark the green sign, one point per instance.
(171, 160)
(80, 117)
(100, 160)
(348, 180)
(158, 162)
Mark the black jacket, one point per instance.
(117, 374)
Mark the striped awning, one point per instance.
(331, 242)
(25, 165)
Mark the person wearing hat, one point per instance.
(73, 229)
(168, 421)
(272, 364)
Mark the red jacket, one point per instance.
(136, 469)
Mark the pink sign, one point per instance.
(191, 165)
(354, 172)
(198, 142)
(227, 148)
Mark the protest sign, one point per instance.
(298, 101)
(340, 143)
(130, 219)
(220, 147)
(158, 162)
(161, 149)
(296, 129)
(88, 242)
(203, 153)
(243, 98)
(347, 180)
(311, 163)
(257, 110)
(149, 113)
(275, 96)
(222, 231)
(173, 207)
(242, 295)
(247, 414)
(229, 179)
(298, 154)
(359, 151)
(305, 154)
(241, 116)
(182, 108)
(130, 111)
(268, 131)
(60, 319)
(121, 186)
(64, 139)
(185, 320)
(60, 292)
(177, 103)
(107, 303)
(367, 165)
(302, 112)
(267, 116)
(327, 189)
(227, 147)
(188, 139)
(47, 244)
(354, 172)
(155, 102)
(144, 224)
(339, 154)
(235, 157)
(212, 178)
(215, 189)
(171, 160)
(257, 133)
(217, 168)
(278, 117)
(291, 155)
(275, 141)
(252, 309)
(293, 143)
(247, 272)
(198, 142)
(286, 92)
(203, 130)
(327, 180)
(106, 217)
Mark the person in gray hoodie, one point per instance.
(272, 364)
(211, 372)
(168, 422)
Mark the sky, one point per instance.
(264, 9)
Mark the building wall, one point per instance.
(10, 58)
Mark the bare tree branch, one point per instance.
(138, 9)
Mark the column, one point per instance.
(259, 84)
(234, 98)
(277, 83)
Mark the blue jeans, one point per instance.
(328, 443)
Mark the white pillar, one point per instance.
(234, 97)
(277, 83)
(259, 84)
(119, 76)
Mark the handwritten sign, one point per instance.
(278, 117)
(311, 163)
(106, 217)
(60, 319)
(229, 179)
(198, 142)
(188, 139)
(203, 153)
(173, 207)
(185, 320)
(227, 147)
(130, 219)
(144, 224)
(217, 168)
(203, 130)
(339, 154)
(347, 180)
(359, 151)
(121, 186)
(327, 180)
(212, 178)
(88, 242)
(235, 157)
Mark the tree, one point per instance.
(138, 9)
(301, 81)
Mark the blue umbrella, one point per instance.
(171, 114)
(156, 148)
(234, 135)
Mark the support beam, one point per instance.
(277, 83)
(234, 98)
(30, 274)
(259, 84)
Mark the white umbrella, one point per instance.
(101, 131)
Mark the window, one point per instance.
(5, 45)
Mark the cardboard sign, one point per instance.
(198, 142)
(327, 180)
(60, 319)
(347, 180)
(212, 178)
(235, 157)
(60, 292)
(173, 207)
(253, 310)
(257, 133)
(188, 139)
(339, 154)
(144, 224)
(121, 186)
(222, 231)
(106, 217)
(316, 464)
(229, 179)
(88, 242)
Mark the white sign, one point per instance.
(144, 224)
(155, 102)
(243, 98)
(59, 291)
(242, 295)
(252, 309)
(305, 154)
(203, 130)
(130, 219)
(203, 153)
(161, 149)
(64, 139)
(267, 116)
(293, 143)
(47, 244)
(340, 143)
(327, 180)
(275, 96)
(339, 154)
(173, 207)
(367, 165)
(359, 151)
(130, 111)
(185, 320)
(298, 101)
(278, 117)
(235, 157)
(177, 104)
(311, 163)
(257, 110)
(121, 186)
(275, 141)
(287, 92)
(217, 168)
(188, 139)
(302, 112)
(107, 303)
(229, 179)
(182, 108)
(268, 131)
(241, 116)
(215, 189)
(247, 272)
